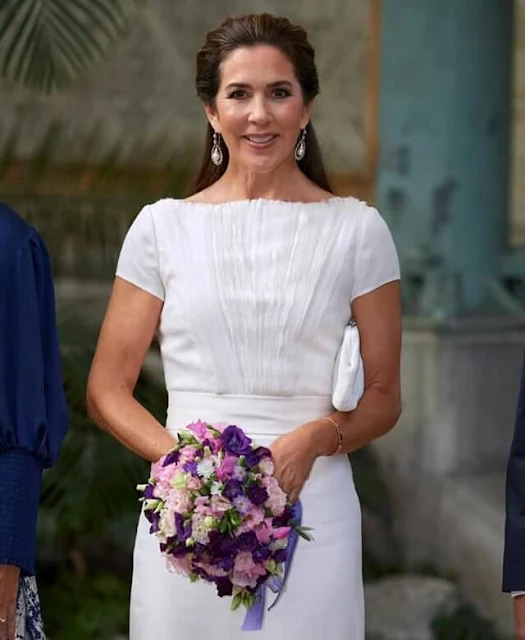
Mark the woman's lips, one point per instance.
(261, 141)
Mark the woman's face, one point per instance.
(259, 109)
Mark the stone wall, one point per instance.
(146, 92)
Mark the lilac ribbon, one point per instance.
(254, 616)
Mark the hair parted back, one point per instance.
(249, 31)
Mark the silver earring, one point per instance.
(216, 152)
(300, 147)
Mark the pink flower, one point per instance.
(199, 429)
(253, 518)
(194, 484)
(244, 562)
(245, 571)
(212, 570)
(276, 497)
(163, 479)
(219, 505)
(182, 565)
(281, 532)
(216, 445)
(264, 533)
(178, 501)
(227, 466)
(187, 454)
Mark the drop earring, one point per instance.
(300, 147)
(216, 152)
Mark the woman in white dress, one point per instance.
(250, 283)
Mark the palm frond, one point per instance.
(47, 44)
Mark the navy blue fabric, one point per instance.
(514, 555)
(33, 412)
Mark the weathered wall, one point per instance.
(146, 90)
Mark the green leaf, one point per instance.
(237, 601)
(48, 44)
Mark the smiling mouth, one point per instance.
(261, 139)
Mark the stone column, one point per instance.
(444, 131)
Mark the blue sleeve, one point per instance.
(33, 412)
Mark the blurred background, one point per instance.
(422, 113)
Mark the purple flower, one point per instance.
(247, 541)
(154, 518)
(242, 504)
(258, 495)
(284, 519)
(224, 587)
(190, 467)
(183, 530)
(235, 441)
(171, 458)
(254, 457)
(233, 489)
(280, 555)
(226, 563)
(178, 550)
(261, 554)
(149, 491)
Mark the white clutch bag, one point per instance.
(349, 377)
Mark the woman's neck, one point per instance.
(284, 184)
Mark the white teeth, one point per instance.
(260, 139)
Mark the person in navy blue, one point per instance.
(33, 411)
(514, 554)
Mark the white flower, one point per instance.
(266, 466)
(205, 468)
(216, 488)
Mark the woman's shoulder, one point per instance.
(16, 234)
(13, 228)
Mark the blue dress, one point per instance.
(33, 411)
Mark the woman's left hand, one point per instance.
(9, 576)
(294, 455)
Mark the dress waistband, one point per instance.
(264, 415)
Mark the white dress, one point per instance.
(256, 297)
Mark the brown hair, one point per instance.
(248, 31)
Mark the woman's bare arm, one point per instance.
(378, 317)
(126, 335)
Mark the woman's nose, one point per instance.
(259, 112)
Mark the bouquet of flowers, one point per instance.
(220, 515)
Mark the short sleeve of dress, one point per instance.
(376, 259)
(139, 260)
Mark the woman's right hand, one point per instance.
(9, 578)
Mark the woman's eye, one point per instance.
(238, 94)
(281, 93)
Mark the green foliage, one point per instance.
(92, 608)
(50, 43)
(89, 509)
(465, 623)
(93, 482)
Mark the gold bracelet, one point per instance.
(339, 436)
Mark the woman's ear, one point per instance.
(211, 114)
(307, 114)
